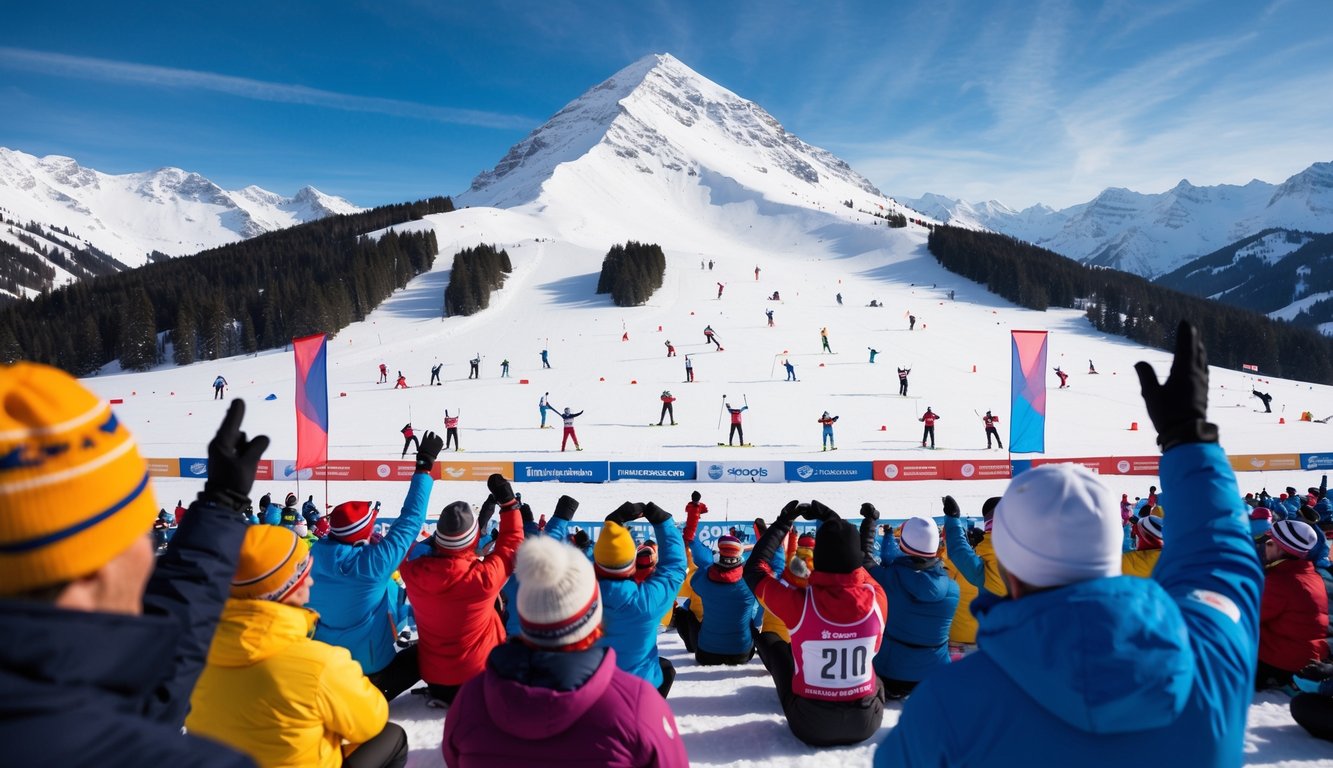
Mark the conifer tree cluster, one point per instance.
(631, 272)
(474, 274)
(1128, 305)
(257, 294)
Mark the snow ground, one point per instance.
(730, 717)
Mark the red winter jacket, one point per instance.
(453, 596)
(834, 593)
(1293, 617)
(930, 417)
(668, 399)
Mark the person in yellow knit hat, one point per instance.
(96, 631)
(272, 691)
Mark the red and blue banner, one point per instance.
(1027, 400)
(312, 400)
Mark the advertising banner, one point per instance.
(163, 467)
(1092, 464)
(1317, 460)
(562, 471)
(828, 471)
(1265, 462)
(285, 469)
(653, 470)
(389, 470)
(909, 470)
(991, 469)
(339, 470)
(741, 471)
(476, 471)
(193, 467)
(1131, 465)
(265, 470)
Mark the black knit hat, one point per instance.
(988, 507)
(457, 528)
(695, 496)
(837, 547)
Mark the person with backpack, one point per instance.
(667, 409)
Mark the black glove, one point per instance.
(759, 527)
(869, 512)
(790, 513)
(625, 513)
(1179, 408)
(817, 511)
(951, 508)
(565, 507)
(1316, 670)
(487, 512)
(655, 514)
(232, 461)
(431, 444)
(526, 512)
(500, 489)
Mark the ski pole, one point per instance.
(723, 408)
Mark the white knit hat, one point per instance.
(1297, 537)
(1057, 524)
(558, 599)
(920, 537)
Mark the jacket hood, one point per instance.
(1107, 655)
(535, 694)
(924, 580)
(253, 630)
(839, 596)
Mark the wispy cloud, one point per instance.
(107, 70)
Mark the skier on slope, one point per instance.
(827, 421)
(990, 422)
(475, 371)
(823, 339)
(791, 369)
(929, 418)
(401, 383)
(873, 352)
(736, 430)
(671, 350)
(384, 374)
(504, 368)
(544, 405)
(569, 430)
(902, 380)
(409, 439)
(451, 430)
(546, 360)
(1265, 398)
(911, 322)
(769, 314)
(710, 337)
(667, 410)
(219, 385)
(1064, 377)
(720, 286)
(435, 374)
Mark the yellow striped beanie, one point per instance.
(74, 491)
(273, 562)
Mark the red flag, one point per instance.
(312, 401)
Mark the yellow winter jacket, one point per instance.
(964, 626)
(1140, 562)
(994, 581)
(282, 698)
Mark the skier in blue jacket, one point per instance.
(922, 600)
(1088, 666)
(724, 636)
(358, 602)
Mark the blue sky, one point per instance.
(384, 101)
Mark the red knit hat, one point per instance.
(352, 522)
(729, 551)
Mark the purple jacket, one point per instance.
(553, 708)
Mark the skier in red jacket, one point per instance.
(667, 410)
(928, 418)
(453, 592)
(990, 422)
(409, 439)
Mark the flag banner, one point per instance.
(312, 400)
(1027, 401)
(1249, 367)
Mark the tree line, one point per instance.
(631, 272)
(1127, 305)
(256, 294)
(475, 273)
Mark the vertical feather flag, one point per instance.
(312, 400)
(1027, 425)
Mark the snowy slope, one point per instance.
(130, 215)
(557, 232)
(1152, 234)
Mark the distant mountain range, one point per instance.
(53, 205)
(1153, 234)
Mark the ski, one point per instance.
(730, 445)
(651, 424)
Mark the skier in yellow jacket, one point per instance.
(272, 692)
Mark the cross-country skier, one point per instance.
(902, 380)
(504, 368)
(384, 374)
(710, 265)
(769, 313)
(401, 383)
(736, 430)
(873, 352)
(1265, 398)
(544, 405)
(1064, 377)
(756, 272)
(475, 372)
(929, 418)
(839, 298)
(828, 422)
(911, 322)
(435, 374)
(791, 369)
(1092, 369)
(546, 361)
(569, 429)
(219, 384)
(720, 286)
(451, 430)
(409, 439)
(823, 339)
(710, 337)
(990, 422)
(689, 369)
(671, 350)
(667, 410)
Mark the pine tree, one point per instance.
(138, 335)
(183, 336)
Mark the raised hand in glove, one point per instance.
(500, 489)
(951, 508)
(625, 513)
(655, 514)
(486, 513)
(817, 511)
(431, 444)
(565, 507)
(790, 513)
(869, 512)
(1178, 407)
(232, 461)
(759, 527)
(526, 512)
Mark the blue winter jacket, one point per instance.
(729, 608)
(272, 515)
(558, 529)
(83, 688)
(632, 612)
(1088, 674)
(358, 602)
(922, 600)
(510, 591)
